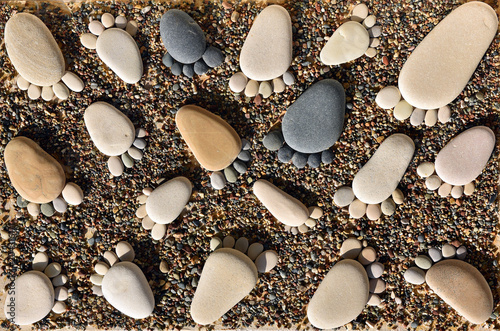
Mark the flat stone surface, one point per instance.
(227, 277)
(168, 200)
(341, 296)
(126, 288)
(182, 36)
(349, 42)
(440, 67)
(212, 140)
(119, 51)
(285, 208)
(111, 131)
(315, 121)
(33, 50)
(35, 175)
(463, 287)
(465, 156)
(267, 51)
(380, 176)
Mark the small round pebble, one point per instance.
(444, 114)
(252, 88)
(61, 293)
(40, 261)
(88, 40)
(431, 117)
(164, 267)
(228, 242)
(241, 244)
(278, 85)
(121, 22)
(265, 89)
(423, 262)
(217, 180)
(377, 286)
(359, 13)
(415, 275)
(461, 252)
(350, 248)
(303, 228)
(59, 307)
(417, 117)
(254, 250)
(375, 270)
(310, 223)
(158, 231)
(435, 254)
(444, 190)
(266, 261)
(327, 156)
(457, 191)
(398, 197)
(107, 20)
(238, 82)
(101, 268)
(115, 166)
(176, 69)
(244, 156)
(299, 160)
(53, 270)
(315, 212)
(167, 60)
(33, 209)
(96, 279)
(200, 67)
(448, 251)
(273, 140)
(245, 144)
(469, 189)
(388, 207)
(231, 174)
(215, 243)
(60, 280)
(47, 209)
(373, 212)
(402, 110)
(288, 78)
(425, 169)
(368, 255)
(388, 97)
(314, 160)
(374, 300)
(188, 70)
(213, 57)
(60, 205)
(344, 196)
(285, 154)
(96, 27)
(433, 182)
(124, 251)
(73, 194)
(240, 166)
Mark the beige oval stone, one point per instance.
(285, 208)
(350, 248)
(73, 194)
(214, 143)
(72, 81)
(168, 200)
(88, 40)
(463, 287)
(266, 261)
(440, 67)
(252, 88)
(33, 50)
(357, 209)
(115, 166)
(34, 91)
(349, 42)
(388, 97)
(373, 212)
(35, 175)
(47, 93)
(341, 296)
(227, 277)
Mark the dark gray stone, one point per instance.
(244, 156)
(47, 209)
(21, 203)
(200, 67)
(314, 160)
(273, 140)
(245, 144)
(240, 166)
(188, 70)
(176, 69)
(231, 174)
(213, 57)
(314, 122)
(327, 156)
(299, 160)
(182, 36)
(167, 60)
(285, 154)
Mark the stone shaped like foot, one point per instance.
(353, 39)
(374, 188)
(229, 275)
(348, 287)
(39, 179)
(122, 283)
(311, 126)
(186, 45)
(163, 205)
(214, 144)
(115, 46)
(266, 55)
(32, 296)
(285, 208)
(115, 136)
(38, 59)
(459, 163)
(457, 282)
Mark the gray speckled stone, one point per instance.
(231, 174)
(435, 254)
(327, 156)
(273, 140)
(314, 122)
(314, 160)
(285, 154)
(244, 156)
(47, 209)
(167, 60)
(200, 67)
(182, 36)
(213, 57)
(188, 70)
(299, 159)
(176, 69)
(240, 166)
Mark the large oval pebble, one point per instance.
(33, 50)
(340, 297)
(111, 131)
(442, 64)
(348, 42)
(168, 200)
(35, 175)
(465, 156)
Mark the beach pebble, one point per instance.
(135, 153)
(448, 251)
(176, 69)
(107, 20)
(127, 161)
(240, 166)
(457, 191)
(167, 60)
(357, 209)
(327, 156)
(200, 67)
(101, 268)
(73, 194)
(373, 212)
(314, 160)
(22, 83)
(96, 27)
(278, 85)
(388, 207)
(40, 261)
(121, 22)
(217, 180)
(188, 70)
(124, 251)
(402, 110)
(168, 200)
(265, 89)
(266, 261)
(444, 114)
(59, 307)
(241, 244)
(60, 205)
(415, 276)
(47, 93)
(375, 270)
(288, 78)
(97, 290)
(88, 40)
(254, 250)
(431, 117)
(215, 243)
(231, 174)
(213, 57)
(33, 209)
(47, 209)
(228, 242)
(469, 188)
(285, 154)
(147, 223)
(244, 156)
(115, 166)
(158, 231)
(34, 92)
(425, 169)
(433, 182)
(61, 293)
(311, 223)
(273, 140)
(110, 258)
(349, 42)
(388, 97)
(377, 286)
(368, 255)
(435, 254)
(139, 143)
(423, 262)
(60, 91)
(359, 12)
(375, 42)
(132, 27)
(60, 280)
(398, 197)
(315, 212)
(238, 82)
(252, 88)
(371, 52)
(374, 300)
(375, 31)
(73, 82)
(461, 252)
(344, 196)
(299, 160)
(417, 117)
(369, 21)
(444, 190)
(53, 269)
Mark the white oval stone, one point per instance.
(357, 209)
(444, 190)
(47, 93)
(158, 231)
(22, 83)
(431, 117)
(101, 268)
(33, 209)
(402, 110)
(469, 188)
(34, 92)
(59, 307)
(415, 275)
(124, 251)
(425, 169)
(238, 82)
(61, 293)
(96, 27)
(73, 194)
(107, 20)
(344, 196)
(252, 88)
(110, 257)
(349, 42)
(115, 166)
(444, 114)
(417, 117)
(351, 248)
(60, 280)
(88, 40)
(53, 269)
(60, 91)
(433, 182)
(73, 82)
(388, 97)
(168, 200)
(147, 223)
(241, 244)
(373, 212)
(40, 261)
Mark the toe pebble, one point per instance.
(402, 110)
(377, 286)
(238, 82)
(315, 212)
(61, 293)
(388, 207)
(47, 93)
(265, 89)
(357, 209)
(359, 13)
(96, 279)
(373, 212)
(97, 290)
(425, 169)
(417, 117)
(388, 97)
(121, 22)
(278, 85)
(101, 268)
(444, 114)
(241, 244)
(217, 180)
(433, 182)
(59, 307)
(350, 248)
(147, 223)
(115, 166)
(33, 209)
(110, 257)
(288, 78)
(215, 243)
(22, 83)
(228, 242)
(266, 261)
(124, 251)
(423, 262)
(448, 251)
(59, 280)
(303, 228)
(96, 27)
(40, 261)
(435, 254)
(132, 28)
(461, 252)
(158, 231)
(444, 190)
(73, 194)
(53, 270)
(73, 82)
(368, 255)
(469, 189)
(107, 20)
(457, 191)
(375, 270)
(254, 250)
(374, 300)
(60, 91)
(431, 117)
(398, 197)
(252, 88)
(88, 40)
(60, 205)
(34, 92)
(415, 276)
(344, 196)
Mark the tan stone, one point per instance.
(35, 175)
(349, 42)
(168, 200)
(214, 143)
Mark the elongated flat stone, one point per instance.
(168, 200)
(349, 42)
(33, 50)
(465, 156)
(267, 51)
(283, 206)
(463, 287)
(381, 175)
(442, 64)
(212, 140)
(227, 277)
(341, 296)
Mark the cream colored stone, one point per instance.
(431, 117)
(425, 169)
(349, 42)
(388, 97)
(73, 82)
(168, 200)
(73, 194)
(402, 110)
(124, 251)
(266, 261)
(373, 212)
(34, 91)
(88, 40)
(357, 209)
(47, 93)
(252, 88)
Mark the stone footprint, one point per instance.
(187, 51)
(440, 67)
(115, 136)
(122, 283)
(39, 179)
(348, 287)
(374, 189)
(353, 39)
(458, 283)
(266, 55)
(112, 39)
(34, 294)
(214, 143)
(459, 163)
(163, 205)
(34, 52)
(229, 275)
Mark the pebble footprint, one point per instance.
(456, 282)
(39, 179)
(266, 55)
(374, 189)
(111, 37)
(115, 136)
(353, 39)
(348, 287)
(122, 283)
(34, 52)
(229, 275)
(34, 294)
(163, 205)
(459, 163)
(186, 45)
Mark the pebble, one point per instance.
(47, 93)
(228, 242)
(238, 82)
(107, 20)
(240, 166)
(423, 262)
(147, 223)
(121, 22)
(40, 261)
(375, 270)
(4, 235)
(327, 156)
(433, 182)
(444, 114)
(61, 293)
(252, 88)
(373, 212)
(168, 200)
(88, 40)
(403, 110)
(34, 92)
(431, 117)
(53, 270)
(377, 286)
(215, 243)
(59, 307)
(60, 91)
(101, 268)
(285, 154)
(311, 223)
(349, 42)
(461, 252)
(115, 166)
(110, 257)
(388, 97)
(73, 82)
(124, 251)
(254, 250)
(47, 209)
(415, 275)
(139, 143)
(435, 254)
(132, 28)
(241, 245)
(96, 27)
(388, 207)
(158, 231)
(217, 180)
(245, 156)
(278, 85)
(299, 160)
(135, 153)
(22, 83)
(359, 12)
(398, 197)
(448, 251)
(164, 267)
(213, 57)
(315, 212)
(344, 196)
(417, 117)
(265, 89)
(469, 188)
(357, 209)
(33, 209)
(374, 300)
(266, 261)
(457, 191)
(368, 255)
(288, 78)
(273, 140)
(73, 194)
(444, 190)
(425, 169)
(231, 174)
